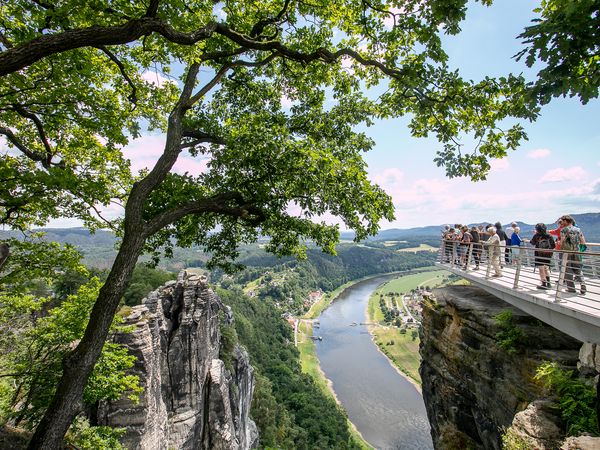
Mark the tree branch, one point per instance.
(23, 55)
(141, 190)
(4, 253)
(201, 137)
(40, 127)
(260, 25)
(218, 204)
(133, 96)
(14, 140)
(152, 8)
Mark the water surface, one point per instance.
(385, 407)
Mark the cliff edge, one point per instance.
(472, 387)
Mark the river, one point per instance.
(385, 407)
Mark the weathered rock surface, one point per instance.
(190, 399)
(472, 388)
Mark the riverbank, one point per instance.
(310, 365)
(319, 306)
(306, 346)
(400, 345)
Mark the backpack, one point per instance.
(545, 242)
(570, 238)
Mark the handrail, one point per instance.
(568, 269)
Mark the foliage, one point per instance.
(74, 92)
(144, 280)
(576, 399)
(510, 337)
(567, 39)
(34, 260)
(304, 417)
(33, 357)
(512, 441)
(85, 437)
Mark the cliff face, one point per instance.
(190, 399)
(472, 388)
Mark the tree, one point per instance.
(73, 94)
(567, 39)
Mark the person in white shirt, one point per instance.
(494, 250)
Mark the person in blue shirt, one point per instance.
(515, 243)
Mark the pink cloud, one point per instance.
(499, 165)
(189, 165)
(539, 153)
(152, 76)
(144, 152)
(563, 174)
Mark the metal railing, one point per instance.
(518, 265)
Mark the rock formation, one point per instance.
(191, 400)
(473, 388)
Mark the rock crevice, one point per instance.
(191, 400)
(473, 388)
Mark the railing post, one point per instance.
(469, 253)
(561, 276)
(489, 262)
(454, 253)
(517, 259)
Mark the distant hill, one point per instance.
(99, 248)
(588, 222)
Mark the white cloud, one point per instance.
(152, 76)
(563, 174)
(499, 165)
(538, 153)
(287, 102)
(389, 177)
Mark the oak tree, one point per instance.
(268, 94)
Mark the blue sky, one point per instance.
(557, 171)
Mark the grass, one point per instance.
(420, 248)
(404, 352)
(430, 278)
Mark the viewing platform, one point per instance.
(574, 313)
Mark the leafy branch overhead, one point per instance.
(74, 91)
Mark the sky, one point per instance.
(556, 171)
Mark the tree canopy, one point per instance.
(268, 94)
(566, 38)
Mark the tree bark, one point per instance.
(4, 253)
(67, 400)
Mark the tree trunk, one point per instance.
(67, 400)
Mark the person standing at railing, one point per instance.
(465, 243)
(447, 235)
(544, 244)
(515, 244)
(509, 232)
(477, 248)
(570, 239)
(503, 241)
(494, 250)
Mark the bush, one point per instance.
(575, 399)
(510, 337)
